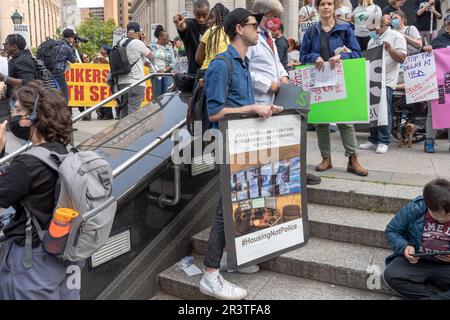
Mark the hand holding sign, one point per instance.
(320, 64)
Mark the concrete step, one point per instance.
(333, 262)
(371, 196)
(348, 225)
(164, 296)
(264, 285)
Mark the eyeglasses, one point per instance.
(254, 25)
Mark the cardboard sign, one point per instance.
(345, 103)
(305, 26)
(87, 86)
(420, 78)
(264, 198)
(441, 106)
(118, 35)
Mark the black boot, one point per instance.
(312, 179)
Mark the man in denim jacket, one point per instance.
(423, 225)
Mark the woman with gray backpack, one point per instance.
(45, 254)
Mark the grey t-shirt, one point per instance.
(136, 51)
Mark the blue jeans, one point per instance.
(162, 85)
(382, 134)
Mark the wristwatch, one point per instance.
(5, 78)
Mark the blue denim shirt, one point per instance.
(240, 92)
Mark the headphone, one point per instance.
(33, 116)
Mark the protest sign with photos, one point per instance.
(263, 186)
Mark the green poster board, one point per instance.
(354, 109)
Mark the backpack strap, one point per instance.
(230, 70)
(125, 44)
(45, 156)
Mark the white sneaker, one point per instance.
(382, 148)
(247, 270)
(368, 146)
(213, 284)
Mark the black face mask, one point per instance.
(17, 130)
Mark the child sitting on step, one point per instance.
(422, 226)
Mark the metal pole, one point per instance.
(431, 26)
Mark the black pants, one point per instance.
(216, 241)
(414, 281)
(363, 42)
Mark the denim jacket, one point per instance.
(341, 35)
(169, 52)
(406, 228)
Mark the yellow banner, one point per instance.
(87, 86)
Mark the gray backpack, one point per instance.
(84, 184)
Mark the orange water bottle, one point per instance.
(56, 238)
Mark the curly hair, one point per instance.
(264, 6)
(53, 122)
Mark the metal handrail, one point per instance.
(124, 166)
(92, 109)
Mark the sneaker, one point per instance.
(312, 180)
(382, 148)
(429, 146)
(368, 146)
(247, 270)
(213, 284)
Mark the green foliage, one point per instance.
(98, 32)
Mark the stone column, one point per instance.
(239, 3)
(292, 25)
(172, 9)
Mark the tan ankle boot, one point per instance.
(325, 164)
(354, 166)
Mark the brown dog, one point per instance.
(410, 130)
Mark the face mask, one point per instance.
(17, 130)
(273, 24)
(395, 23)
(373, 35)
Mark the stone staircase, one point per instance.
(344, 258)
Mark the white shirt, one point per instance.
(136, 51)
(361, 14)
(343, 12)
(398, 43)
(294, 56)
(305, 11)
(265, 68)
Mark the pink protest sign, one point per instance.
(441, 106)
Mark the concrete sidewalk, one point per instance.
(398, 166)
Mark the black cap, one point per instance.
(68, 33)
(133, 27)
(238, 16)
